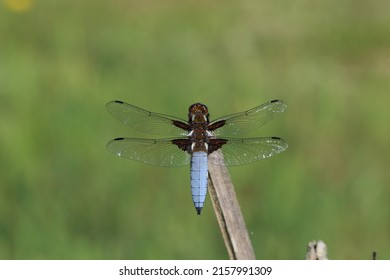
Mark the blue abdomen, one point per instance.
(199, 174)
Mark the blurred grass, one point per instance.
(62, 196)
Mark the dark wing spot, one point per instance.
(118, 101)
(183, 144)
(119, 139)
(181, 125)
(215, 144)
(216, 125)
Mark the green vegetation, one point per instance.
(63, 196)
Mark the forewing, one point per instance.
(245, 122)
(145, 121)
(243, 151)
(159, 152)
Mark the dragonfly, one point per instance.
(195, 141)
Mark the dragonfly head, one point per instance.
(198, 113)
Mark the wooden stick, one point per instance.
(228, 212)
(316, 250)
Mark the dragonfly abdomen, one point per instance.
(199, 174)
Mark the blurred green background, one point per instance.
(63, 196)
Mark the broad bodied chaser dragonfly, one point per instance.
(195, 140)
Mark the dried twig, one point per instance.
(228, 212)
(316, 250)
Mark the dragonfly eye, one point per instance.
(198, 112)
(198, 108)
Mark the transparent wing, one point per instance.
(160, 152)
(145, 121)
(245, 122)
(243, 151)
